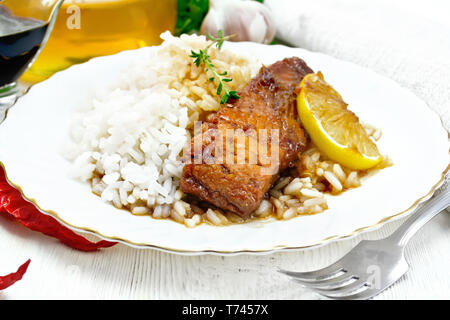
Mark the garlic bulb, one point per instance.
(245, 20)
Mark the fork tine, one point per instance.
(342, 290)
(361, 295)
(313, 275)
(320, 284)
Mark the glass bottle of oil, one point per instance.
(90, 28)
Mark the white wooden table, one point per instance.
(121, 272)
(58, 272)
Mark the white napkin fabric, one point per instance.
(393, 38)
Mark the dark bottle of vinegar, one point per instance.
(20, 40)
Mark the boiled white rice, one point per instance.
(128, 141)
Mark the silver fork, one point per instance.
(372, 265)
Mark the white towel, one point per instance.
(389, 37)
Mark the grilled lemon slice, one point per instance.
(334, 129)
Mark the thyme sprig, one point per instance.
(202, 57)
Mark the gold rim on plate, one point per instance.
(277, 248)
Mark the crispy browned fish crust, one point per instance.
(267, 102)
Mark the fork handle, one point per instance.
(422, 215)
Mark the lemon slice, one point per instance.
(334, 129)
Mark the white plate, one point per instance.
(413, 136)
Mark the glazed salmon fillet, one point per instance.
(267, 105)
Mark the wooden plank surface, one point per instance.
(121, 272)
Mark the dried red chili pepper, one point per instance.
(26, 213)
(10, 279)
